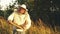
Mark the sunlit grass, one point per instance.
(41, 28)
(36, 28)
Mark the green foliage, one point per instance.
(29, 3)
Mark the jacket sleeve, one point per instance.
(11, 17)
(28, 21)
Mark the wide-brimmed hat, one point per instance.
(23, 6)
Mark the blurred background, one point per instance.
(45, 15)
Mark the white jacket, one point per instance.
(20, 19)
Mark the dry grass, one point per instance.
(42, 29)
(36, 28)
(5, 28)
